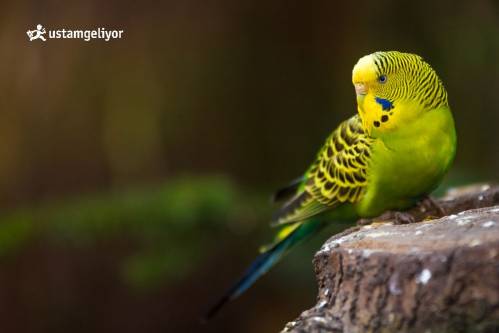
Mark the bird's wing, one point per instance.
(338, 175)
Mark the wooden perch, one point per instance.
(439, 275)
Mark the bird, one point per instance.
(389, 156)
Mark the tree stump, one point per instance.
(436, 275)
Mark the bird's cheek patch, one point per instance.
(386, 105)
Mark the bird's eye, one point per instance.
(382, 79)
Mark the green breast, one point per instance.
(409, 163)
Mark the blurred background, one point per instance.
(135, 174)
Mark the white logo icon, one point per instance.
(37, 34)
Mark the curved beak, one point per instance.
(360, 89)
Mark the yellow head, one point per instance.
(393, 88)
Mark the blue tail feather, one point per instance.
(263, 263)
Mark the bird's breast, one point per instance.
(409, 163)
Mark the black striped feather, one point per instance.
(338, 175)
(415, 79)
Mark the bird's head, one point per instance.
(394, 87)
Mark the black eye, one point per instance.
(382, 79)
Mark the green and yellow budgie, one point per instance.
(389, 156)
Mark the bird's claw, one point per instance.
(364, 221)
(428, 204)
(389, 216)
(403, 218)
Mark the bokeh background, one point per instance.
(135, 174)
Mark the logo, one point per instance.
(86, 35)
(37, 34)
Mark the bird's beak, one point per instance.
(360, 89)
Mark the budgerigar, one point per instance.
(389, 156)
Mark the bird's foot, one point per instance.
(397, 217)
(364, 221)
(403, 218)
(427, 204)
(389, 216)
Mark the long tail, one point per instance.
(264, 262)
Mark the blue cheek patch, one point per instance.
(386, 105)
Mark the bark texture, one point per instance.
(436, 275)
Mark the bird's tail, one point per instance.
(266, 261)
